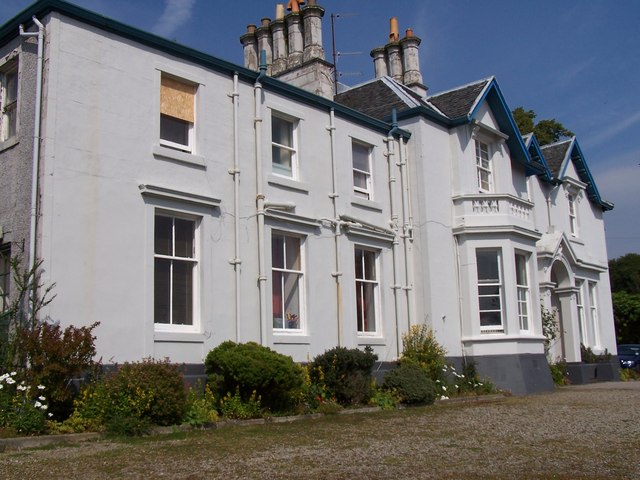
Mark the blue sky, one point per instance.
(575, 61)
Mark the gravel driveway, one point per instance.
(589, 431)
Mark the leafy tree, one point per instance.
(546, 131)
(624, 273)
(626, 312)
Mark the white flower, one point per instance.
(10, 381)
(437, 381)
(1, 386)
(50, 415)
(41, 398)
(41, 387)
(22, 388)
(14, 374)
(444, 388)
(444, 397)
(444, 369)
(3, 377)
(44, 407)
(37, 404)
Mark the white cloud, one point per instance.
(613, 130)
(176, 13)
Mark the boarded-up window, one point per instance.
(177, 113)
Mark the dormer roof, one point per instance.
(558, 156)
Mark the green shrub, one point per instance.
(385, 399)
(411, 383)
(235, 407)
(559, 372)
(201, 407)
(419, 346)
(588, 356)
(629, 374)
(251, 369)
(345, 374)
(134, 397)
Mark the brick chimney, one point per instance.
(293, 45)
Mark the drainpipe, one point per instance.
(35, 168)
(407, 230)
(260, 212)
(235, 172)
(394, 222)
(337, 232)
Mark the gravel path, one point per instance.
(590, 431)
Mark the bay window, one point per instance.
(522, 286)
(489, 266)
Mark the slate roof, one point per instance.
(554, 155)
(458, 103)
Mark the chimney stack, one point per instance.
(293, 47)
(400, 59)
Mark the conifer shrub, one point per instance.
(411, 383)
(251, 370)
(420, 346)
(345, 374)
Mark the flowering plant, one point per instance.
(22, 411)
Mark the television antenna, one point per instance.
(337, 54)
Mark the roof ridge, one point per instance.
(471, 84)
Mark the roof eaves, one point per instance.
(44, 7)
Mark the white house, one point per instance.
(182, 200)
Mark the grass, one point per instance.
(574, 433)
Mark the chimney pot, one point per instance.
(294, 5)
(393, 29)
(279, 11)
(265, 21)
(251, 28)
(409, 33)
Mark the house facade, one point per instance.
(181, 200)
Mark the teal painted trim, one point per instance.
(577, 157)
(546, 172)
(44, 7)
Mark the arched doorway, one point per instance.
(563, 294)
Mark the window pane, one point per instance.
(487, 266)
(369, 265)
(281, 131)
(521, 270)
(11, 94)
(360, 180)
(361, 157)
(490, 319)
(174, 130)
(281, 159)
(184, 230)
(293, 253)
(365, 307)
(359, 255)
(276, 298)
(163, 235)
(277, 251)
(182, 311)
(489, 303)
(162, 290)
(291, 300)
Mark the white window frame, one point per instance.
(189, 147)
(289, 324)
(497, 284)
(5, 276)
(482, 169)
(582, 324)
(521, 260)
(366, 191)
(9, 69)
(573, 213)
(593, 306)
(361, 284)
(193, 260)
(276, 168)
